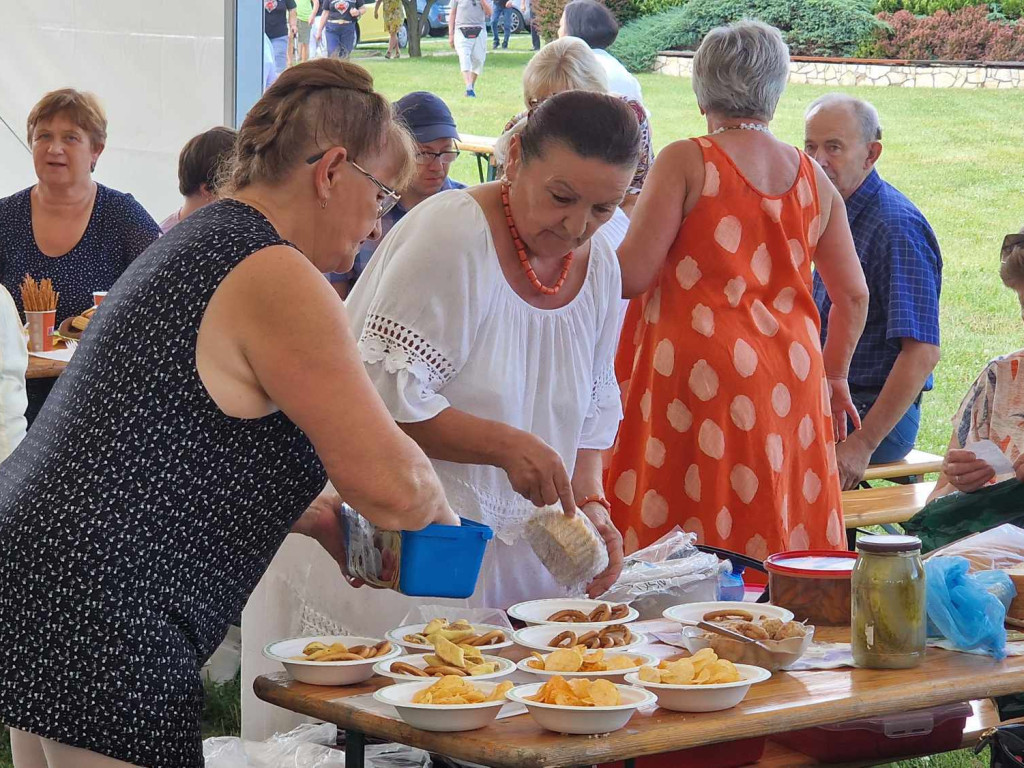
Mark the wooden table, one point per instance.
(883, 506)
(43, 368)
(914, 465)
(788, 701)
(483, 148)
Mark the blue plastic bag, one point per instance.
(963, 609)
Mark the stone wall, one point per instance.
(878, 74)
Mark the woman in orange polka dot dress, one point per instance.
(729, 400)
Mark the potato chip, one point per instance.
(604, 694)
(452, 689)
(564, 660)
(703, 668)
(649, 674)
(595, 657)
(499, 691)
(618, 662)
(679, 672)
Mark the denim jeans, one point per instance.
(341, 39)
(900, 441)
(280, 46)
(498, 13)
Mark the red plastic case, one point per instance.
(925, 731)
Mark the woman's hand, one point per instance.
(536, 471)
(321, 521)
(599, 516)
(842, 407)
(967, 473)
(451, 41)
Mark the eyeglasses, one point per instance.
(426, 157)
(391, 197)
(1010, 242)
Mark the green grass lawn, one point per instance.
(957, 154)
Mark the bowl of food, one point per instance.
(701, 683)
(331, 659)
(449, 704)
(724, 610)
(579, 662)
(418, 637)
(780, 642)
(423, 666)
(549, 637)
(592, 614)
(580, 705)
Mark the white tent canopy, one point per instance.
(159, 69)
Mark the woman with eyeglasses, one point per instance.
(431, 123)
(218, 389)
(992, 407)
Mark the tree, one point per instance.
(412, 17)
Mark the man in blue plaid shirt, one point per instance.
(899, 348)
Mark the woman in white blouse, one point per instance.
(488, 321)
(13, 363)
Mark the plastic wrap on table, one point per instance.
(423, 614)
(669, 572)
(963, 609)
(1000, 548)
(311, 745)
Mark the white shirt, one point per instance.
(620, 81)
(13, 362)
(439, 326)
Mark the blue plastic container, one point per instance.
(442, 560)
(438, 561)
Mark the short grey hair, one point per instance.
(740, 70)
(566, 64)
(865, 113)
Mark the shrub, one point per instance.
(965, 35)
(810, 27)
(1012, 9)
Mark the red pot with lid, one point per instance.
(813, 584)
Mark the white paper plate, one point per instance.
(536, 612)
(398, 636)
(537, 638)
(582, 720)
(703, 698)
(383, 668)
(326, 672)
(614, 675)
(696, 611)
(440, 717)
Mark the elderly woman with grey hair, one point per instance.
(723, 376)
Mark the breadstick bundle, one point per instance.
(38, 297)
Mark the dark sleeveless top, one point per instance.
(136, 517)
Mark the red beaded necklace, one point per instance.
(521, 251)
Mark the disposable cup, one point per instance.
(98, 297)
(40, 330)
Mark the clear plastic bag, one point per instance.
(668, 572)
(1000, 548)
(422, 614)
(965, 609)
(311, 745)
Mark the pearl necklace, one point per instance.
(524, 261)
(744, 127)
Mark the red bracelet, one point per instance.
(598, 499)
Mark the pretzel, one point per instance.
(559, 640)
(381, 648)
(729, 613)
(586, 638)
(619, 611)
(602, 613)
(401, 668)
(495, 636)
(569, 615)
(446, 671)
(341, 656)
(361, 650)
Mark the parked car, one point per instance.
(520, 17)
(371, 30)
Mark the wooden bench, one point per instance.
(777, 756)
(483, 148)
(881, 506)
(916, 464)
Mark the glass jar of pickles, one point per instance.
(889, 621)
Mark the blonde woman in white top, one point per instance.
(13, 364)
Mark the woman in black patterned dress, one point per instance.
(215, 392)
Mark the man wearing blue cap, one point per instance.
(432, 125)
